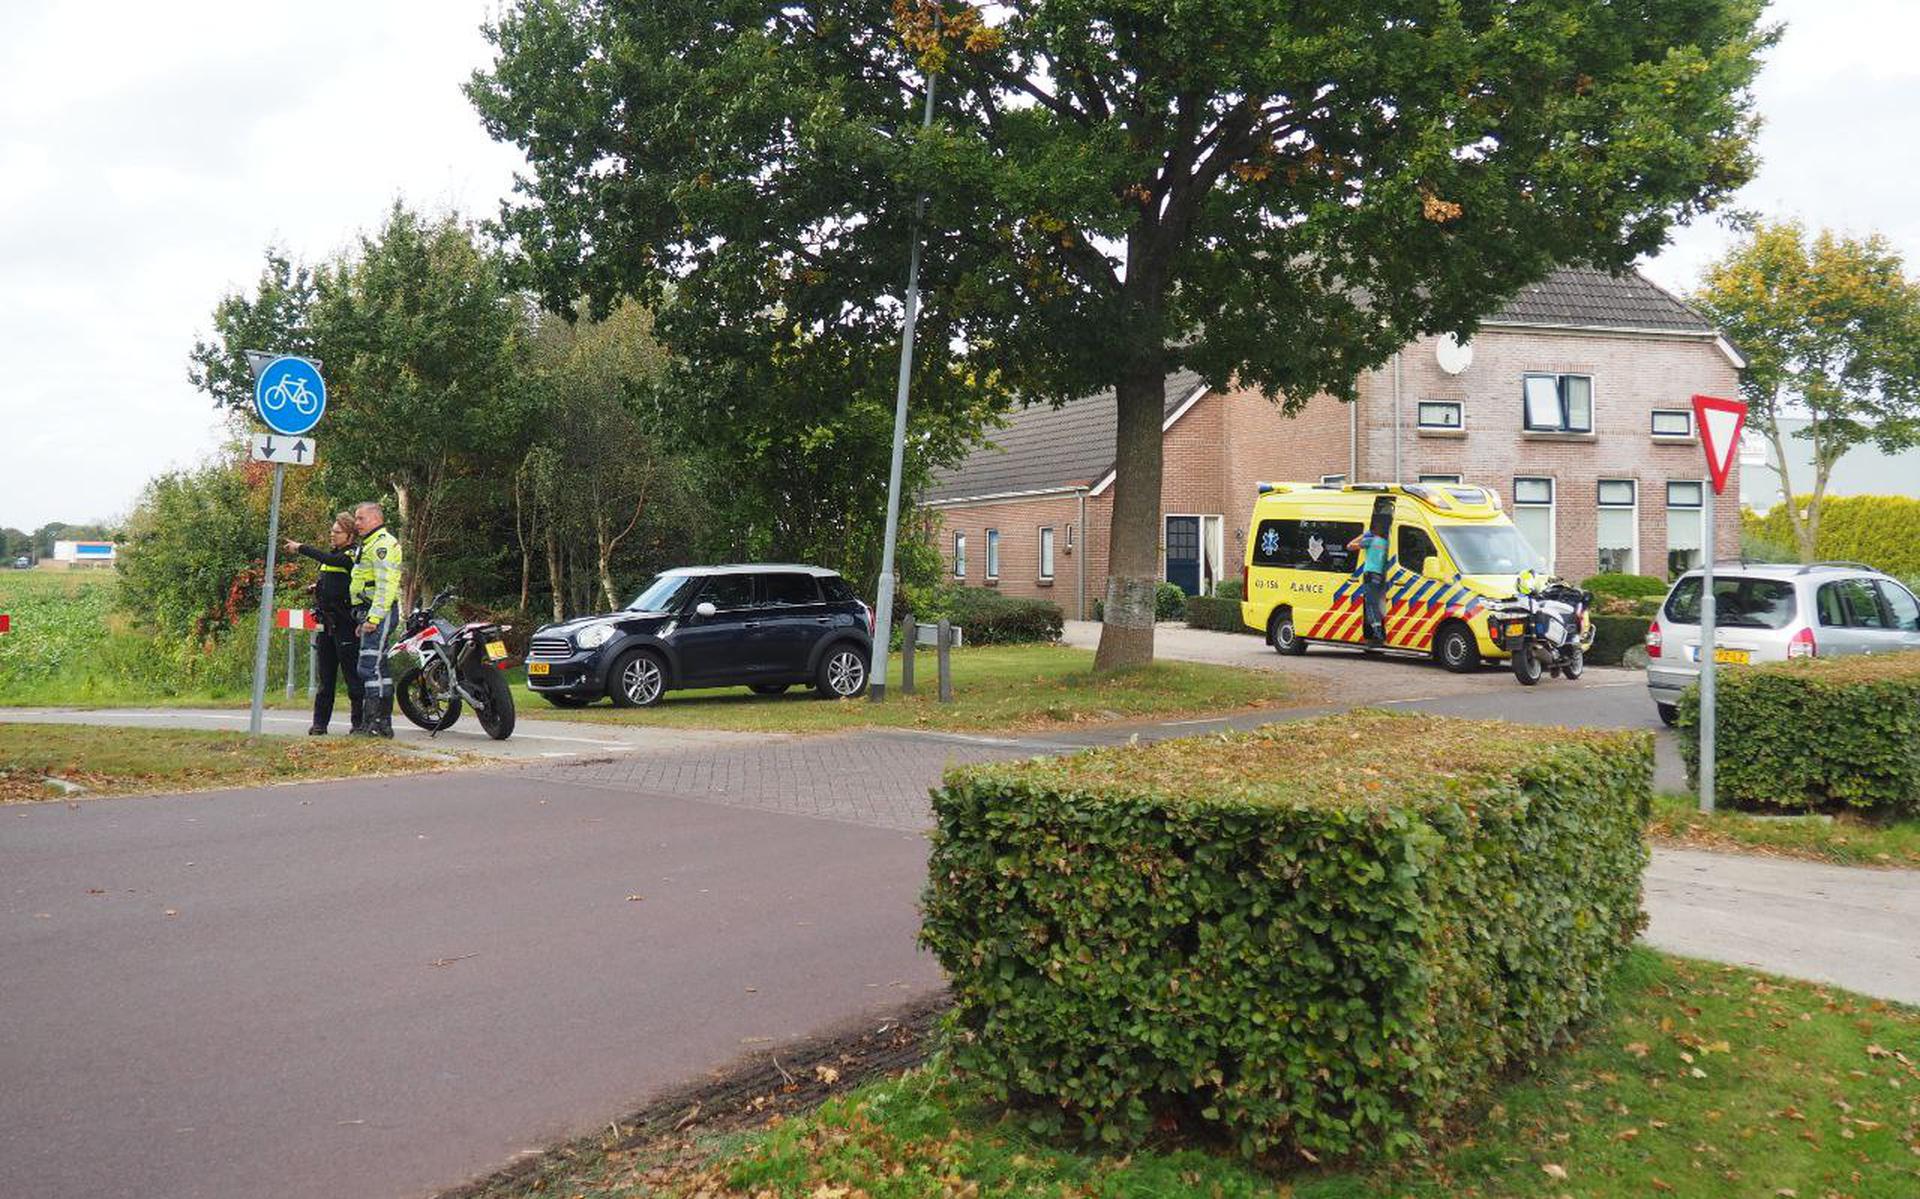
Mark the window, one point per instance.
(1685, 538)
(1533, 514)
(1441, 480)
(1415, 547)
(1559, 403)
(1046, 553)
(1441, 414)
(729, 592)
(1333, 480)
(1862, 603)
(835, 589)
(1618, 531)
(1490, 549)
(993, 553)
(1306, 544)
(1901, 604)
(1737, 603)
(665, 593)
(959, 555)
(1672, 422)
(787, 590)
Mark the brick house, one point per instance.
(1571, 403)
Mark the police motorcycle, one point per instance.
(438, 666)
(1544, 627)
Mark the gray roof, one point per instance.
(1043, 447)
(1587, 298)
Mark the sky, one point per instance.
(150, 153)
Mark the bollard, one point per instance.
(313, 668)
(908, 634)
(945, 655)
(291, 640)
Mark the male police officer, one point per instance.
(376, 590)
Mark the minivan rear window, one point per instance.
(1737, 603)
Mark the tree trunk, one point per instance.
(1133, 563)
(413, 519)
(603, 561)
(520, 538)
(556, 577)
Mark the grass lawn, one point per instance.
(127, 761)
(1701, 1082)
(1010, 687)
(1848, 839)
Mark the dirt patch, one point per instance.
(763, 1085)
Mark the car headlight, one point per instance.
(595, 636)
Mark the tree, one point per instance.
(275, 319)
(1830, 328)
(1270, 193)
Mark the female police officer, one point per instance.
(336, 646)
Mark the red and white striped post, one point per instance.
(6, 623)
(292, 619)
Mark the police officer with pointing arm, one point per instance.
(336, 644)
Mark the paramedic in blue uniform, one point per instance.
(1372, 548)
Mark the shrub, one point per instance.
(1814, 733)
(1626, 586)
(1613, 636)
(1876, 529)
(1169, 602)
(1317, 936)
(1230, 590)
(1213, 612)
(988, 617)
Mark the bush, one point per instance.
(1626, 586)
(1318, 936)
(1216, 613)
(1613, 636)
(1230, 590)
(1879, 530)
(1169, 602)
(988, 617)
(1814, 733)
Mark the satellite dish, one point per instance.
(1452, 354)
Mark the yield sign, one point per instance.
(1719, 422)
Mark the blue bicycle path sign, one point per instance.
(290, 395)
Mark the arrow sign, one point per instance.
(1719, 422)
(290, 451)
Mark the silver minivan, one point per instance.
(1773, 613)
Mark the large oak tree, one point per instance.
(1278, 194)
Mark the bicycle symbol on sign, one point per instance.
(289, 390)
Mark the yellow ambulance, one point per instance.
(1452, 553)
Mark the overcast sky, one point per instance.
(150, 152)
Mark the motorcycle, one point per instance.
(447, 665)
(1546, 631)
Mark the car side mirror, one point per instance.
(705, 609)
(1431, 567)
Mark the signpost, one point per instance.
(1718, 423)
(290, 397)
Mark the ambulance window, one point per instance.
(1415, 547)
(1270, 543)
(1305, 544)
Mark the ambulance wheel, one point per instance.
(1456, 649)
(1284, 637)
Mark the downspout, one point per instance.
(1080, 559)
(1396, 417)
(1353, 441)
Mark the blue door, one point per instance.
(1183, 553)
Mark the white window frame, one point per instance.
(1333, 480)
(1559, 383)
(1683, 413)
(1552, 507)
(1046, 553)
(1634, 507)
(1459, 407)
(960, 556)
(1694, 508)
(993, 554)
(1439, 480)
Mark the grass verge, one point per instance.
(1700, 1081)
(125, 761)
(1006, 687)
(1845, 839)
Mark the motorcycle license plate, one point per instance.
(496, 650)
(1737, 657)
(536, 668)
(1517, 628)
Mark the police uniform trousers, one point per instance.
(375, 682)
(336, 655)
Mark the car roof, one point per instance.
(736, 568)
(1787, 570)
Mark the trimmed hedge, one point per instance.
(1627, 586)
(1213, 612)
(990, 618)
(1876, 529)
(1814, 733)
(1318, 936)
(1613, 636)
(1169, 602)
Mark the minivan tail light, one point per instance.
(1802, 645)
(1653, 640)
(869, 612)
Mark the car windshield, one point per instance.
(663, 594)
(1737, 603)
(1489, 549)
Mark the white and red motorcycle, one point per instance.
(438, 666)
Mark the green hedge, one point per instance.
(1213, 612)
(1613, 636)
(1318, 936)
(1814, 733)
(1881, 530)
(1626, 586)
(990, 618)
(1169, 602)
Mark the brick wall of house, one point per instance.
(1019, 522)
(1632, 375)
(1265, 446)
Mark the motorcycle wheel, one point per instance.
(419, 703)
(1526, 665)
(1576, 663)
(497, 717)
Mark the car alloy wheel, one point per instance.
(846, 674)
(641, 681)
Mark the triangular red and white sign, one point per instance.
(1719, 422)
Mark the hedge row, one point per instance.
(990, 618)
(1623, 586)
(1613, 636)
(1814, 733)
(1212, 612)
(1875, 529)
(1318, 936)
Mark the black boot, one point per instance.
(380, 724)
(318, 730)
(359, 726)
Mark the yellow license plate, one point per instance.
(1738, 657)
(536, 668)
(496, 650)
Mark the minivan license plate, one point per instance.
(536, 668)
(1736, 657)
